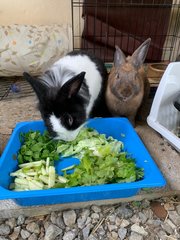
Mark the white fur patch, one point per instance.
(62, 132)
(57, 76)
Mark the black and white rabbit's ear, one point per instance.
(139, 56)
(39, 87)
(72, 87)
(119, 57)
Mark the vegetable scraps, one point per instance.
(102, 161)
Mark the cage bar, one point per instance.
(100, 24)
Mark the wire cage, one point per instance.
(99, 25)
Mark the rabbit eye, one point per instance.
(117, 75)
(68, 118)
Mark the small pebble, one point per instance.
(69, 235)
(33, 228)
(33, 237)
(135, 236)
(124, 212)
(140, 230)
(86, 231)
(122, 233)
(124, 223)
(20, 220)
(24, 234)
(11, 222)
(69, 217)
(52, 232)
(4, 229)
(114, 235)
(175, 217)
(95, 216)
(3, 238)
(96, 209)
(15, 234)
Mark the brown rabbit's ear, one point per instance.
(119, 57)
(140, 53)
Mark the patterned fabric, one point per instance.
(32, 48)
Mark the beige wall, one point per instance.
(35, 11)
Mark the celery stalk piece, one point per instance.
(52, 176)
(32, 164)
(44, 179)
(62, 179)
(35, 185)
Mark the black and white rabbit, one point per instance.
(70, 92)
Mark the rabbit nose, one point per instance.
(52, 133)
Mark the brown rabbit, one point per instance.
(127, 83)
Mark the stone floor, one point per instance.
(168, 159)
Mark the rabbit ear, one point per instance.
(119, 57)
(39, 87)
(139, 55)
(71, 87)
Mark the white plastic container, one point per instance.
(164, 117)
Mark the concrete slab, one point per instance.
(167, 158)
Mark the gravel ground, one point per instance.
(151, 220)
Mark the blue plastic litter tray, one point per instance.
(119, 128)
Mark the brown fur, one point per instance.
(127, 83)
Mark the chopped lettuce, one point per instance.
(107, 167)
(88, 139)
